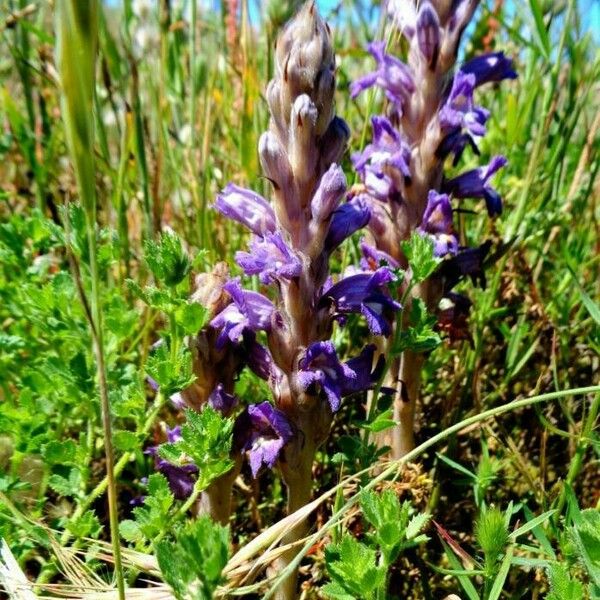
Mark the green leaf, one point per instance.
(458, 467)
(498, 585)
(172, 373)
(532, 524)
(416, 524)
(167, 259)
(66, 486)
(562, 586)
(192, 565)
(206, 441)
(353, 567)
(381, 422)
(130, 531)
(88, 525)
(420, 335)
(540, 27)
(151, 517)
(464, 581)
(60, 453)
(336, 592)
(586, 535)
(192, 317)
(125, 440)
(419, 251)
(591, 306)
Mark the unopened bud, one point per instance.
(428, 33)
(305, 64)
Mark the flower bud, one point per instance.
(303, 138)
(428, 33)
(273, 160)
(331, 189)
(333, 143)
(305, 64)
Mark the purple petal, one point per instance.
(260, 361)
(365, 293)
(270, 258)
(494, 66)
(437, 217)
(221, 400)
(330, 191)
(459, 111)
(392, 75)
(347, 219)
(246, 207)
(366, 377)
(248, 311)
(373, 258)
(265, 430)
(181, 479)
(474, 184)
(320, 365)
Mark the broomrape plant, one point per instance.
(293, 239)
(430, 117)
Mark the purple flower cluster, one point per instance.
(431, 115)
(293, 237)
(402, 167)
(284, 335)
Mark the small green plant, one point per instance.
(360, 569)
(193, 563)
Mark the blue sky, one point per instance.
(589, 9)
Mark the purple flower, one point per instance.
(347, 219)
(270, 258)
(392, 75)
(494, 66)
(261, 362)
(173, 435)
(246, 207)
(474, 184)
(437, 222)
(366, 376)
(182, 478)
(332, 188)
(264, 431)
(364, 293)
(459, 111)
(248, 311)
(221, 400)
(468, 262)
(388, 149)
(428, 33)
(373, 258)
(321, 367)
(456, 142)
